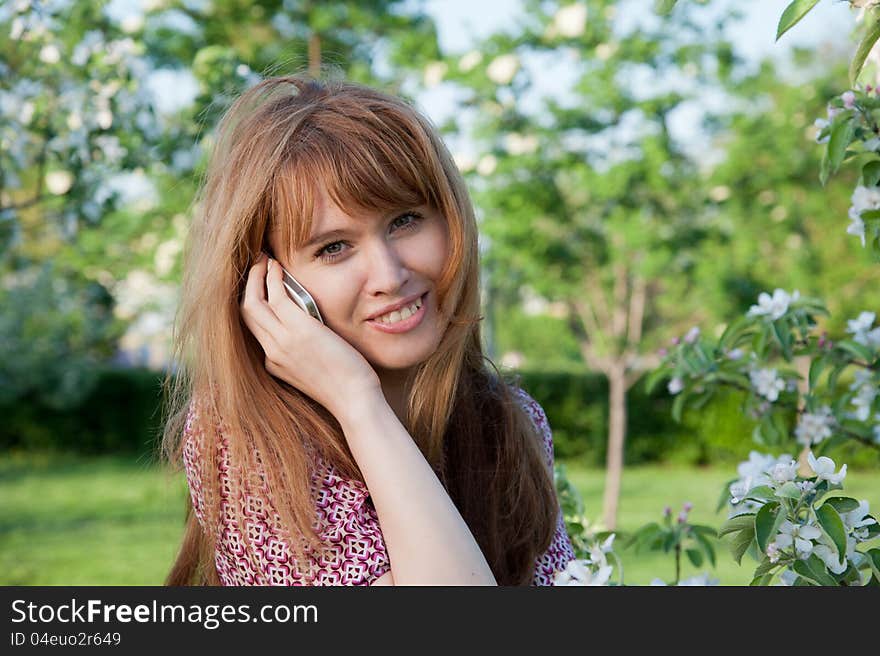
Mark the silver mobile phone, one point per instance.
(299, 294)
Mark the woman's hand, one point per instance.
(299, 349)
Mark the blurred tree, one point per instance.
(778, 227)
(586, 190)
(97, 173)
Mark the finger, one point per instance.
(255, 310)
(282, 305)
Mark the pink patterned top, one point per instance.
(346, 521)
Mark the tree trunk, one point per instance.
(616, 436)
(314, 55)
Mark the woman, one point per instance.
(376, 447)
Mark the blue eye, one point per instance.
(330, 252)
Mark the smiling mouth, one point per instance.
(404, 319)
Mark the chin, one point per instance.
(404, 358)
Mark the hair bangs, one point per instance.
(361, 165)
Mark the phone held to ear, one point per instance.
(299, 294)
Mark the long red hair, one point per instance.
(369, 151)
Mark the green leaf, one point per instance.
(841, 504)
(872, 20)
(725, 494)
(784, 338)
(814, 570)
(759, 342)
(765, 524)
(761, 493)
(824, 168)
(765, 567)
(732, 330)
(738, 523)
(644, 536)
(695, 557)
(792, 14)
(874, 562)
(655, 377)
(789, 490)
(841, 135)
(871, 173)
(816, 367)
(707, 547)
(678, 406)
(664, 7)
(740, 544)
(761, 580)
(832, 524)
(855, 349)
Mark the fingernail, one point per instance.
(271, 261)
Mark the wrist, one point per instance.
(357, 404)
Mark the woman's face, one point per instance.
(371, 262)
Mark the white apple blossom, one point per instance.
(470, 60)
(856, 521)
(753, 472)
(814, 427)
(698, 580)
(866, 392)
(824, 467)
(773, 306)
(486, 165)
(863, 199)
(571, 21)
(577, 572)
(787, 577)
(49, 54)
(861, 330)
(800, 535)
(675, 385)
(502, 69)
(849, 99)
(784, 472)
(830, 557)
(434, 73)
(517, 144)
(871, 144)
(735, 354)
(767, 383)
(59, 182)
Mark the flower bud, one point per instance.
(667, 511)
(687, 506)
(849, 99)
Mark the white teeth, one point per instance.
(399, 315)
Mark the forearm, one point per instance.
(427, 540)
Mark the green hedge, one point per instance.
(122, 414)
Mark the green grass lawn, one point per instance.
(115, 521)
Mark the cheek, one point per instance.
(429, 253)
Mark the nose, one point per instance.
(387, 273)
